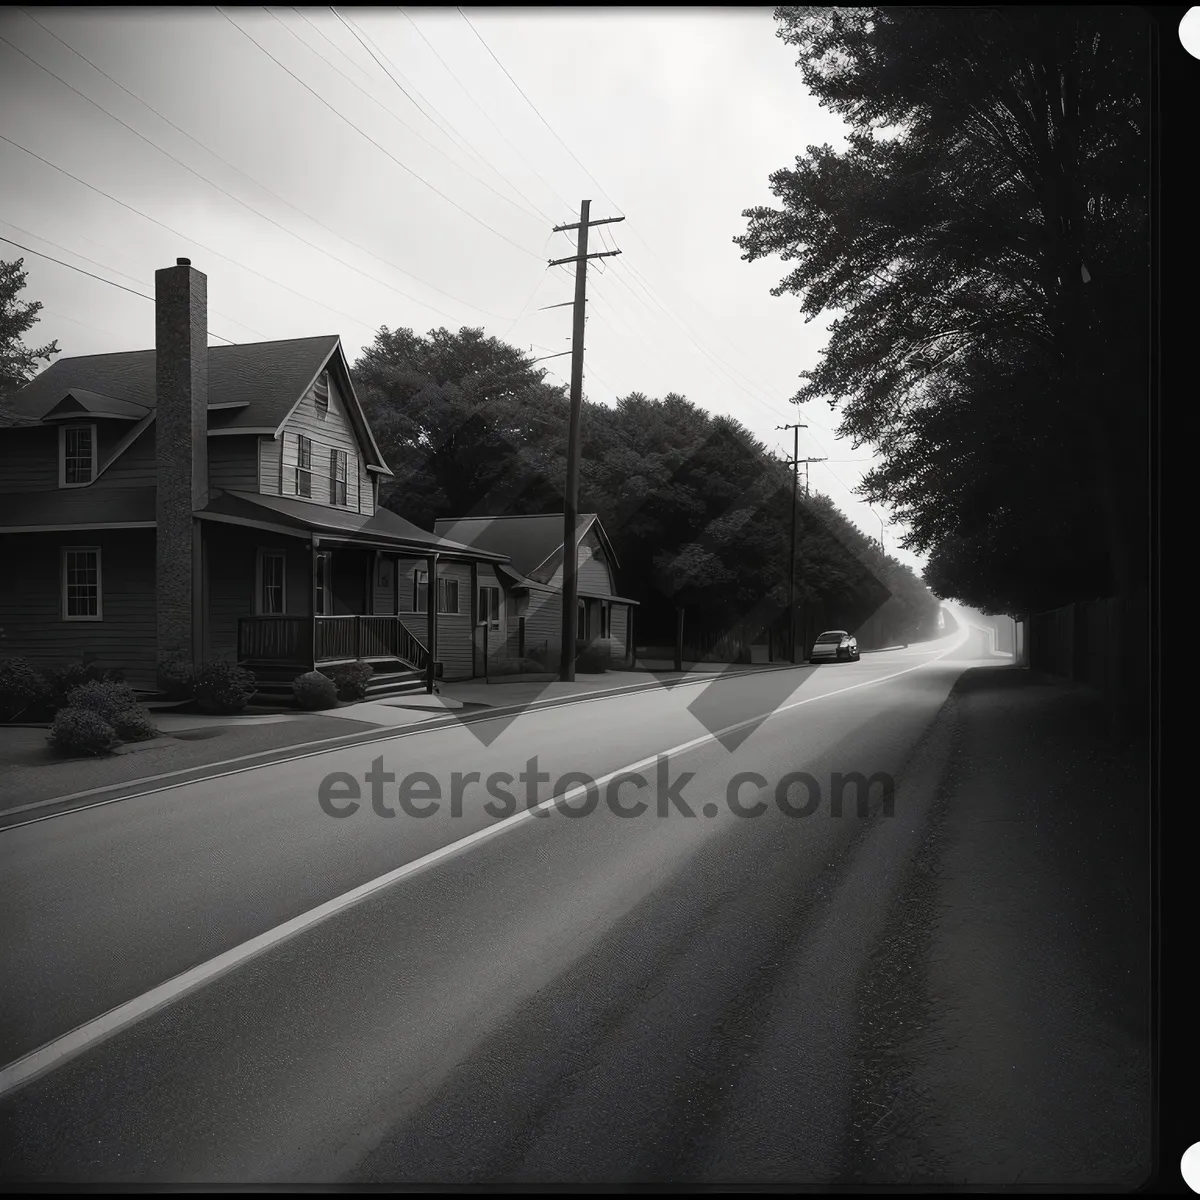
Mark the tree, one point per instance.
(466, 422)
(18, 362)
(983, 240)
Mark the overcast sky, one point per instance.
(385, 170)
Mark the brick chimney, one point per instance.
(181, 447)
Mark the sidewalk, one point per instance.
(1005, 1019)
(30, 775)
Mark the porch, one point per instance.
(312, 642)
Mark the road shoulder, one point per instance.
(1004, 1019)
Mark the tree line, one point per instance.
(984, 242)
(698, 510)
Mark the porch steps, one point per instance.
(391, 678)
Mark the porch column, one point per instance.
(312, 602)
(431, 614)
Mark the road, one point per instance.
(607, 997)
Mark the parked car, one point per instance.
(835, 645)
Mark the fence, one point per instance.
(1104, 644)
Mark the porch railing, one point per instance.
(292, 640)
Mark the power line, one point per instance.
(114, 271)
(448, 129)
(534, 107)
(466, 91)
(176, 233)
(274, 195)
(99, 278)
(403, 166)
(203, 178)
(404, 124)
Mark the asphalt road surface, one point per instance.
(662, 996)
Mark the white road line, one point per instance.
(83, 1037)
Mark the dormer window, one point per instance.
(76, 455)
(321, 395)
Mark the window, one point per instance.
(337, 477)
(77, 458)
(272, 589)
(447, 593)
(323, 585)
(489, 607)
(303, 466)
(81, 583)
(604, 618)
(581, 627)
(321, 396)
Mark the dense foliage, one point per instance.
(983, 240)
(697, 509)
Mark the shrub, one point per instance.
(134, 725)
(351, 679)
(314, 691)
(24, 691)
(105, 698)
(176, 677)
(223, 687)
(82, 731)
(591, 660)
(64, 680)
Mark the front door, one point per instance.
(384, 587)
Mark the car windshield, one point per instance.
(831, 637)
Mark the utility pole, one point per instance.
(806, 461)
(791, 605)
(571, 499)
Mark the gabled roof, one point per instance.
(266, 378)
(530, 542)
(252, 388)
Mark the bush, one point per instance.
(105, 698)
(82, 731)
(134, 725)
(315, 691)
(351, 679)
(64, 680)
(176, 677)
(223, 687)
(591, 660)
(25, 693)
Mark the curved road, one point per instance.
(655, 996)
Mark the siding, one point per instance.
(620, 624)
(31, 623)
(233, 463)
(593, 573)
(332, 432)
(269, 450)
(29, 458)
(136, 467)
(453, 629)
(543, 619)
(506, 643)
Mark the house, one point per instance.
(520, 598)
(218, 503)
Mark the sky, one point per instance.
(339, 171)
